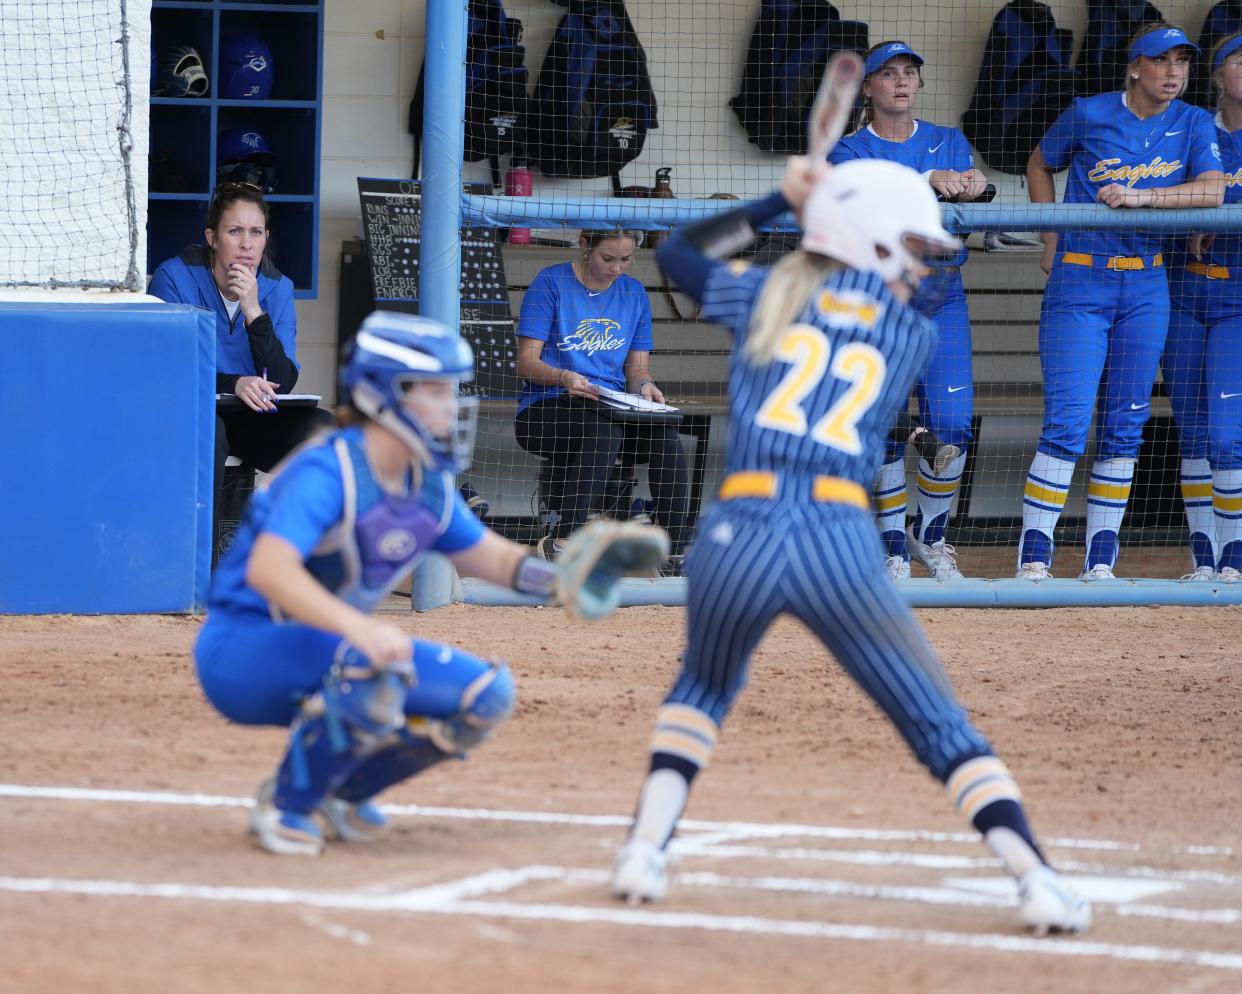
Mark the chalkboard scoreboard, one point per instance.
(392, 220)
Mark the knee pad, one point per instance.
(485, 704)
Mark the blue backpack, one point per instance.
(593, 103)
(1106, 49)
(1222, 20)
(1025, 82)
(496, 81)
(785, 62)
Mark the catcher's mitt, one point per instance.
(591, 564)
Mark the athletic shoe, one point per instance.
(285, 833)
(939, 558)
(1229, 575)
(897, 567)
(361, 822)
(1201, 574)
(1100, 571)
(547, 548)
(638, 875)
(1049, 904)
(1034, 572)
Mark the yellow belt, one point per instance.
(825, 489)
(1122, 262)
(1208, 270)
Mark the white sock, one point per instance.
(935, 497)
(1043, 500)
(1107, 495)
(1012, 850)
(660, 804)
(890, 499)
(1227, 508)
(1200, 518)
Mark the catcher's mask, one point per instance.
(390, 356)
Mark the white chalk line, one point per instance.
(452, 899)
(739, 830)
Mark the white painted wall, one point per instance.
(695, 50)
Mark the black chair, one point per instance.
(616, 501)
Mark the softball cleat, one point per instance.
(285, 833)
(1034, 572)
(355, 823)
(1100, 571)
(1049, 904)
(639, 874)
(939, 558)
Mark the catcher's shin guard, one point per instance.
(404, 755)
(339, 727)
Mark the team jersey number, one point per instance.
(808, 351)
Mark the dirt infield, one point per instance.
(817, 856)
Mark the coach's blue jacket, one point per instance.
(268, 342)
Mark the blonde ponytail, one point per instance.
(792, 282)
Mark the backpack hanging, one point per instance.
(785, 61)
(496, 81)
(1222, 20)
(1025, 82)
(1106, 49)
(593, 103)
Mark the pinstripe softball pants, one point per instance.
(755, 559)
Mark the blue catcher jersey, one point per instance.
(825, 405)
(1103, 141)
(357, 540)
(930, 147)
(588, 331)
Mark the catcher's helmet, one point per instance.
(246, 157)
(392, 350)
(181, 73)
(246, 68)
(872, 214)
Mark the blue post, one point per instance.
(444, 113)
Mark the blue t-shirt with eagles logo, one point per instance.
(588, 331)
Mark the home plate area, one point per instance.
(1178, 906)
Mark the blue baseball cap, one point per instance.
(891, 50)
(1227, 49)
(1158, 42)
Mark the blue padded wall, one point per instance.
(106, 464)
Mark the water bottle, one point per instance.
(519, 182)
(663, 190)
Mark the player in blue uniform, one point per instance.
(826, 350)
(1203, 355)
(945, 390)
(1105, 313)
(584, 325)
(289, 639)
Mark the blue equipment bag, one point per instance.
(496, 79)
(1222, 20)
(1106, 49)
(785, 61)
(593, 102)
(1025, 82)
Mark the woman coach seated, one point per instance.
(256, 329)
(584, 325)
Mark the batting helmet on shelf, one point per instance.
(244, 156)
(246, 68)
(181, 73)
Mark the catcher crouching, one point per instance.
(289, 638)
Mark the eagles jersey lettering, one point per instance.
(1103, 141)
(825, 405)
(930, 147)
(588, 331)
(1226, 248)
(357, 540)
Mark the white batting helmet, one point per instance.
(868, 213)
